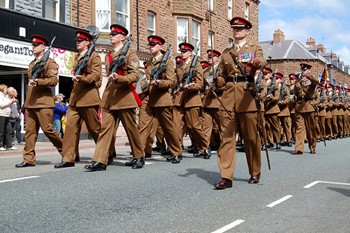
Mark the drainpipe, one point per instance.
(137, 25)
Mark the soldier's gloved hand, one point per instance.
(219, 80)
(252, 67)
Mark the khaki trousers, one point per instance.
(39, 118)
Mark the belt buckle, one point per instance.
(235, 79)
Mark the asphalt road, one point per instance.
(308, 193)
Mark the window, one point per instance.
(122, 13)
(151, 23)
(196, 32)
(182, 30)
(7, 4)
(51, 9)
(246, 11)
(103, 15)
(186, 26)
(229, 9)
(211, 40)
(211, 5)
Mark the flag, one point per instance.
(325, 75)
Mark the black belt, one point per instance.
(238, 79)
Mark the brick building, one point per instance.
(286, 55)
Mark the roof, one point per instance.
(287, 49)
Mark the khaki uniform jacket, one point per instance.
(40, 96)
(284, 103)
(322, 106)
(315, 102)
(160, 96)
(209, 99)
(304, 94)
(237, 96)
(118, 95)
(271, 105)
(85, 92)
(190, 98)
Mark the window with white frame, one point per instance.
(246, 11)
(196, 33)
(4, 3)
(182, 30)
(122, 13)
(103, 14)
(151, 23)
(229, 9)
(210, 40)
(51, 9)
(211, 5)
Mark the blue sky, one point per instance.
(328, 22)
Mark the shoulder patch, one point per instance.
(134, 64)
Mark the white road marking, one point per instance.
(311, 184)
(229, 226)
(325, 182)
(279, 201)
(21, 178)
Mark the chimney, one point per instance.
(278, 36)
(311, 42)
(321, 48)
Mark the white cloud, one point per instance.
(344, 54)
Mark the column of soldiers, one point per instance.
(229, 94)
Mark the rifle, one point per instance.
(209, 79)
(187, 77)
(40, 66)
(282, 94)
(83, 63)
(120, 60)
(156, 72)
(259, 78)
(270, 88)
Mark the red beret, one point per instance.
(213, 53)
(267, 70)
(240, 22)
(185, 47)
(205, 64)
(83, 35)
(305, 66)
(292, 76)
(152, 40)
(39, 39)
(118, 29)
(279, 75)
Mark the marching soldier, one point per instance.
(322, 111)
(237, 69)
(160, 99)
(334, 112)
(305, 112)
(119, 102)
(329, 129)
(284, 115)
(272, 110)
(39, 103)
(211, 103)
(84, 100)
(188, 102)
(292, 78)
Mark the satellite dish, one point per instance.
(93, 30)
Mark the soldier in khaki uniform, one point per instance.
(329, 129)
(160, 99)
(84, 100)
(238, 98)
(272, 110)
(188, 102)
(292, 78)
(284, 115)
(39, 103)
(305, 112)
(334, 112)
(321, 108)
(211, 102)
(119, 102)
